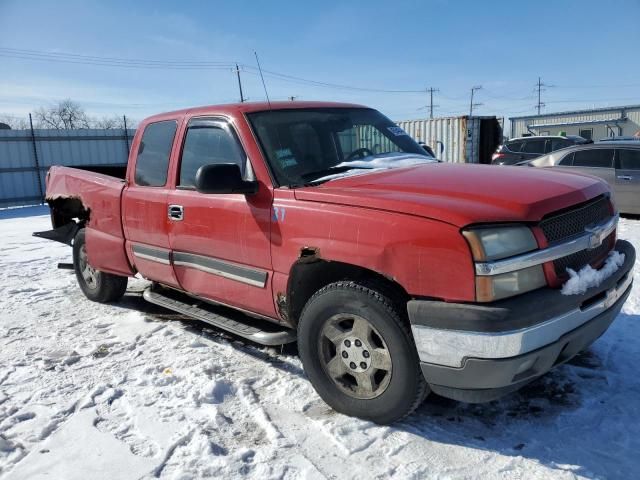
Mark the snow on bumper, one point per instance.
(449, 334)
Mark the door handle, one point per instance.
(625, 177)
(176, 212)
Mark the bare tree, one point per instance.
(16, 123)
(112, 122)
(64, 115)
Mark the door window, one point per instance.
(628, 160)
(534, 146)
(558, 143)
(207, 144)
(567, 160)
(154, 151)
(514, 146)
(598, 157)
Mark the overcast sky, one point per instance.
(586, 51)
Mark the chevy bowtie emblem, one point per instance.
(598, 234)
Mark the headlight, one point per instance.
(495, 243)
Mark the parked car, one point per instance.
(616, 162)
(395, 274)
(620, 139)
(527, 148)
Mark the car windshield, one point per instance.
(315, 145)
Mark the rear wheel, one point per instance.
(96, 285)
(359, 354)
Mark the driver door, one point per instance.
(220, 243)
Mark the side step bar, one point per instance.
(264, 337)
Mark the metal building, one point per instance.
(591, 124)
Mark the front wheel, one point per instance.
(359, 354)
(96, 285)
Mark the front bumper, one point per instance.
(479, 352)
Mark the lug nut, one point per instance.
(347, 343)
(358, 343)
(363, 365)
(365, 354)
(345, 355)
(352, 365)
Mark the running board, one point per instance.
(264, 337)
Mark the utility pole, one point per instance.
(292, 97)
(540, 85)
(431, 105)
(471, 104)
(239, 83)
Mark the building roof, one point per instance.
(576, 112)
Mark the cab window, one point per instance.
(207, 143)
(152, 162)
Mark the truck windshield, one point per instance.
(311, 146)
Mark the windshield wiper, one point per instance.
(332, 170)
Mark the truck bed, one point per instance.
(100, 197)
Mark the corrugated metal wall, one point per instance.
(19, 175)
(629, 127)
(459, 136)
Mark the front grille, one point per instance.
(566, 224)
(577, 260)
(573, 222)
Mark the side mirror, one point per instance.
(223, 178)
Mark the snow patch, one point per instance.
(589, 277)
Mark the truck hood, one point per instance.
(460, 194)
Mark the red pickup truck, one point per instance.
(326, 224)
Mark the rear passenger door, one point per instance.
(627, 182)
(144, 203)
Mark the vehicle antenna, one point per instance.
(262, 77)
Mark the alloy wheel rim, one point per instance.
(355, 356)
(89, 274)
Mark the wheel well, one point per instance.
(66, 210)
(306, 278)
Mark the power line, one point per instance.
(176, 65)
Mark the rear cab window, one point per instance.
(154, 151)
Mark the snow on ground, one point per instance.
(130, 391)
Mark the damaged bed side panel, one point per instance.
(101, 198)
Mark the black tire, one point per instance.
(96, 285)
(397, 389)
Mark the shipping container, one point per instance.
(457, 139)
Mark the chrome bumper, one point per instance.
(451, 347)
